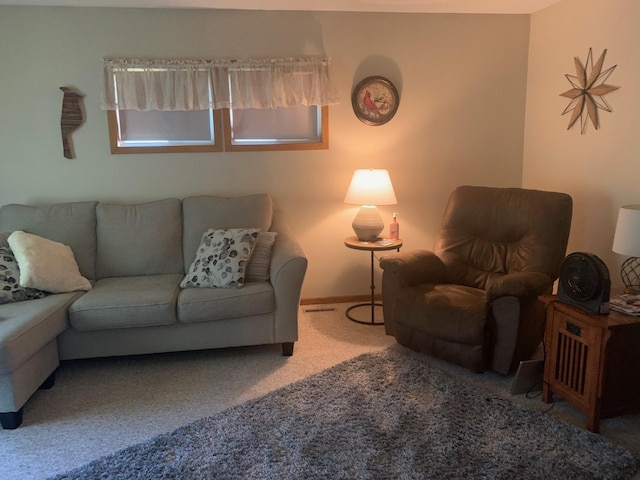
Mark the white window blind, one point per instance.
(153, 128)
(274, 126)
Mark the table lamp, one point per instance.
(368, 189)
(626, 241)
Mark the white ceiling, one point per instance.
(415, 6)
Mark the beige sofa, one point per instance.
(135, 257)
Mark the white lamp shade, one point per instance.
(371, 187)
(626, 240)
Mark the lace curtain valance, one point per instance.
(146, 84)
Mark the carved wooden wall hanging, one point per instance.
(71, 118)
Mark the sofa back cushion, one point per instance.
(204, 212)
(73, 224)
(139, 239)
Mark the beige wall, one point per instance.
(601, 168)
(462, 80)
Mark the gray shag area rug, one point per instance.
(378, 416)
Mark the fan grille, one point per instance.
(580, 276)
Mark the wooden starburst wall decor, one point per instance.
(589, 89)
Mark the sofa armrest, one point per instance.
(287, 271)
(520, 285)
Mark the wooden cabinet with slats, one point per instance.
(592, 361)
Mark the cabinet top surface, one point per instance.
(612, 319)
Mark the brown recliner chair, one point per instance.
(473, 300)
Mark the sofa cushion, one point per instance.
(73, 224)
(259, 265)
(222, 259)
(45, 264)
(10, 288)
(26, 327)
(139, 239)
(204, 212)
(127, 302)
(210, 304)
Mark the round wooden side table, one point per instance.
(377, 246)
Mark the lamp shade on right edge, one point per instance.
(626, 240)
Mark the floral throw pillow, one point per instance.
(10, 289)
(221, 259)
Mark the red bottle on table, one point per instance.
(394, 228)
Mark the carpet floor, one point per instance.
(100, 406)
(381, 415)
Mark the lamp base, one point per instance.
(630, 274)
(368, 223)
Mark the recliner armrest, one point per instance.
(414, 267)
(519, 284)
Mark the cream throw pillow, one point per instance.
(45, 264)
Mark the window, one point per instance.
(131, 131)
(284, 128)
(173, 120)
(179, 105)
